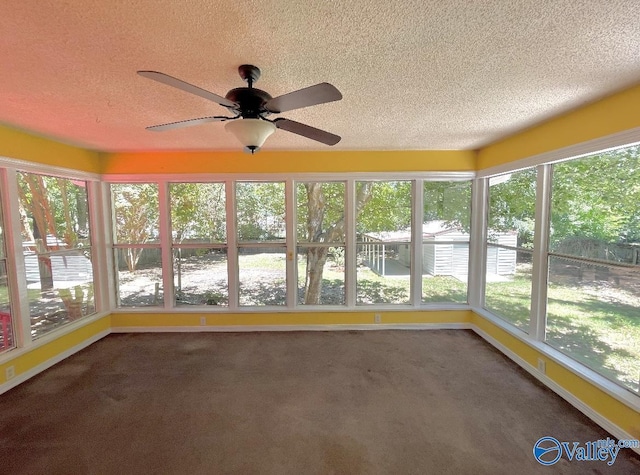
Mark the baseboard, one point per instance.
(22, 377)
(294, 328)
(596, 417)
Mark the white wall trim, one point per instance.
(293, 328)
(595, 416)
(22, 377)
(43, 169)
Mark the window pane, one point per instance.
(595, 207)
(135, 212)
(320, 212)
(262, 276)
(60, 289)
(321, 275)
(445, 267)
(7, 339)
(383, 273)
(260, 211)
(512, 203)
(448, 201)
(140, 285)
(54, 208)
(383, 225)
(508, 288)
(200, 277)
(198, 212)
(2, 251)
(593, 316)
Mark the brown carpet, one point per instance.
(289, 403)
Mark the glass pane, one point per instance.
(595, 207)
(321, 275)
(445, 267)
(200, 277)
(383, 210)
(512, 203)
(593, 316)
(60, 289)
(7, 340)
(198, 212)
(260, 211)
(139, 285)
(383, 225)
(449, 202)
(135, 208)
(55, 212)
(383, 273)
(508, 290)
(320, 212)
(262, 276)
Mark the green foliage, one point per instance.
(198, 212)
(260, 211)
(597, 198)
(388, 207)
(448, 201)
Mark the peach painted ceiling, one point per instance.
(415, 74)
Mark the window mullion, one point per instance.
(477, 244)
(232, 247)
(16, 268)
(101, 245)
(540, 268)
(417, 220)
(350, 244)
(166, 247)
(292, 258)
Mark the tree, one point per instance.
(136, 217)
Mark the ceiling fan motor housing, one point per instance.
(251, 101)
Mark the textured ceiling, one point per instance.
(415, 74)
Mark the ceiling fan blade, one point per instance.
(307, 131)
(309, 96)
(186, 123)
(185, 86)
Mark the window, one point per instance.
(7, 334)
(383, 227)
(57, 250)
(199, 236)
(593, 310)
(138, 258)
(321, 243)
(511, 219)
(445, 241)
(261, 233)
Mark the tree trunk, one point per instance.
(316, 259)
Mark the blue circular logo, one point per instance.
(547, 450)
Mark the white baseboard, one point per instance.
(294, 328)
(596, 417)
(22, 377)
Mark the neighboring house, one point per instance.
(445, 250)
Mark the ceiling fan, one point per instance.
(250, 108)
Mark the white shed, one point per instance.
(445, 250)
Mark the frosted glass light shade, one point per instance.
(250, 132)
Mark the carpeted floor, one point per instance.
(423, 402)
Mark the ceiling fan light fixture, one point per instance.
(251, 133)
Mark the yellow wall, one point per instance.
(610, 408)
(608, 116)
(24, 146)
(124, 320)
(47, 351)
(287, 162)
